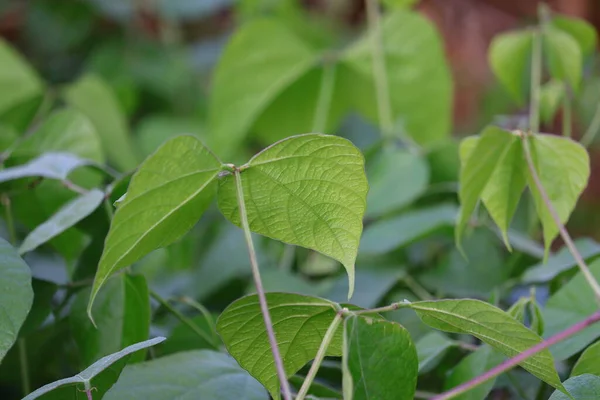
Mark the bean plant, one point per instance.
(71, 187)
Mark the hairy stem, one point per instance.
(314, 368)
(185, 320)
(536, 81)
(566, 117)
(513, 362)
(324, 99)
(561, 228)
(592, 130)
(285, 386)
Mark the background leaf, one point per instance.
(93, 371)
(492, 326)
(551, 96)
(582, 387)
(122, 315)
(572, 303)
(473, 365)
(282, 60)
(192, 374)
(588, 361)
(93, 97)
(166, 197)
(49, 165)
(16, 296)
(396, 178)
(509, 56)
(70, 214)
(380, 360)
(418, 77)
(302, 318)
(430, 349)
(307, 190)
(580, 30)
(564, 56)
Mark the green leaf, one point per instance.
(478, 167)
(563, 167)
(502, 193)
(582, 387)
(166, 197)
(95, 370)
(571, 304)
(588, 361)
(551, 96)
(492, 326)
(387, 235)
(66, 130)
(396, 178)
(19, 82)
(306, 190)
(430, 350)
(301, 318)
(580, 30)
(246, 81)
(43, 292)
(400, 3)
(122, 314)
(560, 262)
(49, 165)
(194, 374)
(16, 296)
(473, 365)
(481, 261)
(418, 77)
(183, 337)
(564, 57)
(69, 215)
(154, 130)
(509, 57)
(380, 360)
(93, 97)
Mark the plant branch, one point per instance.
(185, 320)
(536, 81)
(391, 307)
(592, 130)
(561, 228)
(513, 362)
(74, 187)
(285, 386)
(325, 95)
(314, 368)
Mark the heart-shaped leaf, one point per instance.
(306, 190)
(564, 56)
(580, 30)
(165, 198)
(299, 322)
(492, 326)
(16, 295)
(380, 360)
(563, 167)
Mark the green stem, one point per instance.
(185, 320)
(567, 118)
(536, 82)
(109, 209)
(391, 307)
(314, 368)
(285, 386)
(592, 130)
(561, 228)
(325, 96)
(24, 366)
(207, 316)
